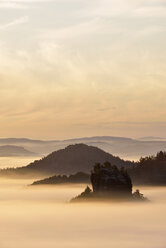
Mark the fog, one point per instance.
(40, 217)
(6, 162)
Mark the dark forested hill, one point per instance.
(79, 177)
(74, 158)
(150, 170)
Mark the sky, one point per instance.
(74, 68)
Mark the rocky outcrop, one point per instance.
(109, 179)
(111, 183)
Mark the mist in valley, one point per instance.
(82, 86)
(10, 162)
(43, 217)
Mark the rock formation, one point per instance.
(109, 182)
(109, 179)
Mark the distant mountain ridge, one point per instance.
(118, 146)
(73, 158)
(152, 138)
(19, 140)
(12, 151)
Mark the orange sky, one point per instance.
(73, 68)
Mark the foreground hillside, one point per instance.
(74, 158)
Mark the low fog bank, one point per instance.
(10, 162)
(42, 217)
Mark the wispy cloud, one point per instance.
(18, 21)
(78, 58)
(13, 5)
(29, 1)
(20, 4)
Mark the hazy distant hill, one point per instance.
(74, 158)
(18, 141)
(150, 138)
(9, 150)
(119, 146)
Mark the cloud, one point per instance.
(98, 62)
(151, 11)
(21, 4)
(18, 21)
(12, 5)
(31, 1)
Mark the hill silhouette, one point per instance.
(9, 150)
(150, 170)
(79, 177)
(73, 158)
(118, 146)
